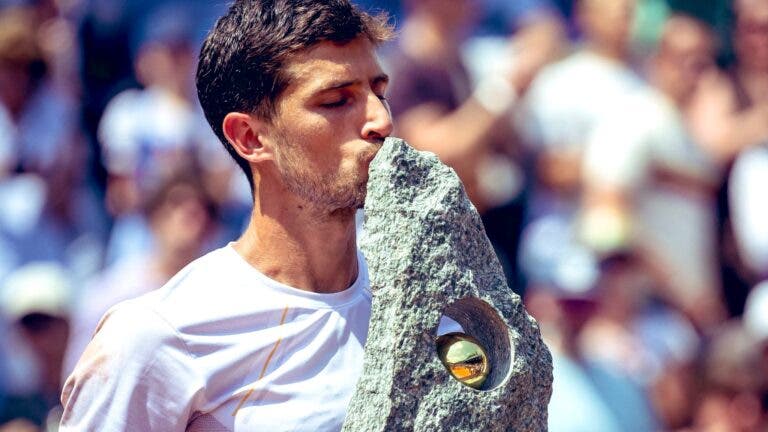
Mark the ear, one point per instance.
(246, 134)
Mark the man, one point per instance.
(748, 133)
(588, 392)
(568, 98)
(437, 107)
(433, 102)
(149, 134)
(266, 333)
(36, 302)
(644, 167)
(563, 107)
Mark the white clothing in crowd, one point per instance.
(749, 207)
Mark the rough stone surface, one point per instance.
(428, 255)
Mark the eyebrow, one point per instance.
(336, 85)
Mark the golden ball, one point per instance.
(464, 357)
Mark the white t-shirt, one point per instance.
(749, 208)
(645, 131)
(221, 347)
(568, 98)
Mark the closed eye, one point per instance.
(335, 104)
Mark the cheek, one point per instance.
(330, 134)
(311, 128)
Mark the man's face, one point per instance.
(330, 121)
(607, 22)
(751, 35)
(686, 52)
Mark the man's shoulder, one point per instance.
(135, 363)
(141, 330)
(129, 336)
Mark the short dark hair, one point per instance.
(241, 61)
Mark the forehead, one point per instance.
(327, 62)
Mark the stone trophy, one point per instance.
(428, 256)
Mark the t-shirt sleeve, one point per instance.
(135, 375)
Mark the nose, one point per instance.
(378, 120)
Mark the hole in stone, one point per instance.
(481, 322)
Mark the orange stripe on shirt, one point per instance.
(263, 368)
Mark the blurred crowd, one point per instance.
(615, 149)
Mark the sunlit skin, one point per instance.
(334, 93)
(310, 165)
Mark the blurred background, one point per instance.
(616, 150)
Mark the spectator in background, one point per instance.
(732, 381)
(643, 338)
(745, 197)
(643, 171)
(432, 98)
(147, 134)
(181, 217)
(728, 117)
(731, 110)
(588, 393)
(569, 97)
(435, 107)
(106, 43)
(752, 50)
(28, 99)
(36, 299)
(563, 107)
(47, 213)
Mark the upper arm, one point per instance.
(134, 375)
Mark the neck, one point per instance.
(668, 87)
(300, 246)
(613, 52)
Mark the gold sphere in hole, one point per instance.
(464, 358)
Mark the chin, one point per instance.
(356, 199)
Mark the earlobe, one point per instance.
(244, 133)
